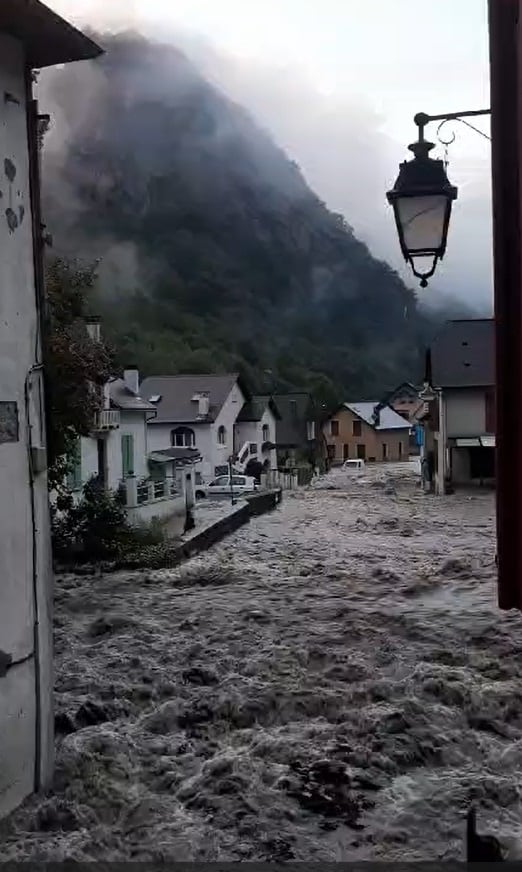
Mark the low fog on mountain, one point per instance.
(339, 139)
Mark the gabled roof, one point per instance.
(256, 407)
(176, 405)
(389, 420)
(48, 39)
(463, 354)
(403, 388)
(123, 398)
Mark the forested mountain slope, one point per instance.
(216, 255)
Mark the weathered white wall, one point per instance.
(227, 417)
(159, 438)
(160, 509)
(25, 574)
(465, 412)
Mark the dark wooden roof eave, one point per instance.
(47, 38)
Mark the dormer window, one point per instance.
(155, 398)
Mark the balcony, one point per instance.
(107, 419)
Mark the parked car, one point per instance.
(221, 486)
(353, 464)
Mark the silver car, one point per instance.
(221, 486)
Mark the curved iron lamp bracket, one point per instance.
(422, 119)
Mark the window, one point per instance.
(74, 478)
(331, 452)
(384, 451)
(221, 481)
(361, 452)
(266, 433)
(293, 408)
(357, 428)
(334, 428)
(345, 452)
(400, 450)
(238, 480)
(127, 455)
(310, 430)
(222, 435)
(183, 437)
(253, 448)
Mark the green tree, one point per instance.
(76, 366)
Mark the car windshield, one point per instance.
(218, 482)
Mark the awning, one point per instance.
(178, 456)
(475, 442)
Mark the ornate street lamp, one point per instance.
(422, 198)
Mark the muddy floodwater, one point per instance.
(334, 681)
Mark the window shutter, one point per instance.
(74, 478)
(127, 455)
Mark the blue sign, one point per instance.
(419, 435)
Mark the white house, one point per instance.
(196, 411)
(31, 36)
(214, 414)
(255, 432)
(117, 453)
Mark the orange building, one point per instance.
(366, 431)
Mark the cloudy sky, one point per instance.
(337, 83)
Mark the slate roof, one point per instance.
(48, 38)
(462, 355)
(176, 392)
(125, 399)
(389, 420)
(255, 409)
(295, 410)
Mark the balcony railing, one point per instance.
(107, 419)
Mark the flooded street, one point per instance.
(332, 682)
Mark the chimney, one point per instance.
(203, 405)
(131, 377)
(93, 326)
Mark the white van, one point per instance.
(353, 464)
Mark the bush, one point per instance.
(95, 528)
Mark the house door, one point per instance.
(346, 452)
(102, 461)
(361, 452)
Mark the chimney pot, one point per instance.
(131, 377)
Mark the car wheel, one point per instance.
(200, 495)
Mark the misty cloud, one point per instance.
(338, 140)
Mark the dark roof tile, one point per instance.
(176, 392)
(462, 355)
